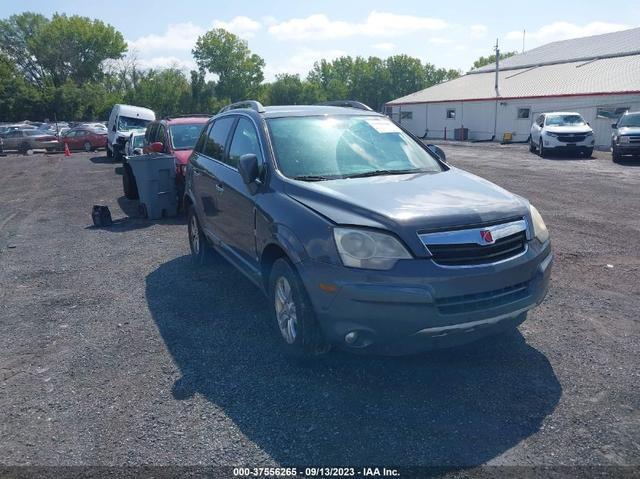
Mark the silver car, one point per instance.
(24, 140)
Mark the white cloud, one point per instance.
(565, 30)
(179, 36)
(241, 26)
(439, 40)
(301, 62)
(166, 62)
(478, 31)
(377, 24)
(385, 46)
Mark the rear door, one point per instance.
(206, 168)
(236, 204)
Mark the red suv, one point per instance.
(175, 136)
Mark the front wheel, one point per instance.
(588, 152)
(532, 145)
(109, 153)
(293, 312)
(541, 150)
(616, 155)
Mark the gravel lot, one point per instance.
(116, 350)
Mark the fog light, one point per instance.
(351, 337)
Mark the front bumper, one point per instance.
(628, 149)
(554, 143)
(419, 305)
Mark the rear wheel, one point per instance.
(293, 312)
(201, 250)
(129, 184)
(24, 147)
(87, 146)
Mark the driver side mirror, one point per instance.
(614, 125)
(249, 170)
(438, 152)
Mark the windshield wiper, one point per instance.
(382, 173)
(312, 178)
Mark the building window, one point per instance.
(611, 112)
(406, 115)
(451, 114)
(523, 113)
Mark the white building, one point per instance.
(597, 76)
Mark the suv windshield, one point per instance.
(125, 123)
(564, 120)
(629, 120)
(184, 137)
(138, 141)
(319, 148)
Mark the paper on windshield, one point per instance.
(382, 125)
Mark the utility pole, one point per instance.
(524, 34)
(495, 116)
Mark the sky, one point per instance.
(291, 35)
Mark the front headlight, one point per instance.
(360, 248)
(549, 133)
(623, 139)
(539, 228)
(589, 133)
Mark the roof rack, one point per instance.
(347, 104)
(252, 104)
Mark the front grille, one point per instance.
(571, 138)
(470, 303)
(473, 254)
(634, 139)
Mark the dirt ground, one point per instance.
(115, 350)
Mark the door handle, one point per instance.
(219, 188)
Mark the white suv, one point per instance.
(561, 131)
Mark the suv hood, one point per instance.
(569, 129)
(423, 201)
(629, 130)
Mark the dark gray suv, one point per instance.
(359, 234)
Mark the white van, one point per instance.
(122, 120)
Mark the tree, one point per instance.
(167, 92)
(50, 52)
(482, 61)
(224, 54)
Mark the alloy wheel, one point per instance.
(286, 310)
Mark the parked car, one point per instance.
(358, 233)
(561, 131)
(122, 120)
(135, 143)
(87, 139)
(29, 139)
(625, 140)
(174, 136)
(1, 146)
(95, 126)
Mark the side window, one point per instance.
(161, 136)
(245, 140)
(451, 114)
(199, 148)
(149, 134)
(540, 120)
(214, 147)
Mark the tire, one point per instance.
(588, 152)
(541, 150)
(87, 146)
(532, 145)
(201, 251)
(129, 185)
(615, 156)
(293, 315)
(109, 153)
(23, 148)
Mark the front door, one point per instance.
(236, 204)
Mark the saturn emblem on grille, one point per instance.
(486, 236)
